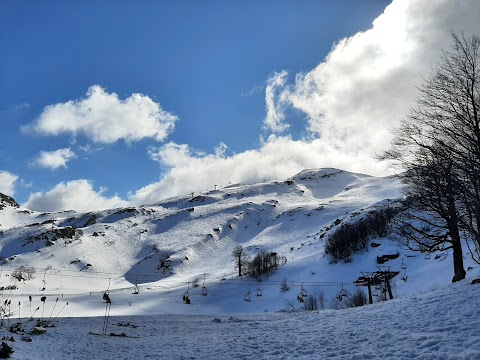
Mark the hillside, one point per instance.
(181, 244)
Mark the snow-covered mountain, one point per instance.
(182, 244)
(147, 258)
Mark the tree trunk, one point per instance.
(458, 269)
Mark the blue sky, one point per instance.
(227, 91)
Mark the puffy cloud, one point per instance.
(54, 159)
(7, 183)
(73, 195)
(278, 158)
(104, 118)
(367, 82)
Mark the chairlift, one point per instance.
(44, 283)
(427, 256)
(378, 291)
(403, 266)
(302, 294)
(106, 297)
(404, 277)
(186, 298)
(248, 295)
(259, 291)
(136, 289)
(303, 291)
(204, 289)
(342, 292)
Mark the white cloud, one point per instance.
(73, 195)
(7, 183)
(275, 103)
(89, 149)
(104, 118)
(367, 82)
(278, 158)
(54, 159)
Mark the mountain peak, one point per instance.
(322, 173)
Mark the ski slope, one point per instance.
(148, 257)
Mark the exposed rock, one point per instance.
(7, 201)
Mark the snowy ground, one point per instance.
(440, 324)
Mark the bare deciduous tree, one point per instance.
(240, 260)
(438, 147)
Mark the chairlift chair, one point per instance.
(403, 266)
(342, 292)
(259, 291)
(248, 295)
(378, 291)
(136, 289)
(186, 295)
(204, 289)
(303, 292)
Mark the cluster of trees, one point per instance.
(263, 263)
(351, 238)
(23, 273)
(437, 145)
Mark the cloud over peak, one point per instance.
(104, 118)
(278, 158)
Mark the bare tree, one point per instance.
(240, 259)
(438, 147)
(450, 107)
